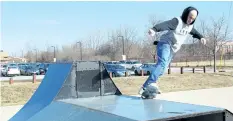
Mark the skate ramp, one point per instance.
(84, 91)
(46, 92)
(68, 81)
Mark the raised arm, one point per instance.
(196, 34)
(166, 25)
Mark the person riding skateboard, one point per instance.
(178, 29)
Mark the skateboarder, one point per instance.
(178, 29)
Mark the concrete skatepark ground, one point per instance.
(218, 97)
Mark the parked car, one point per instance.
(131, 64)
(130, 72)
(22, 68)
(117, 70)
(30, 70)
(12, 64)
(113, 62)
(147, 69)
(22, 64)
(2, 67)
(122, 63)
(43, 68)
(11, 71)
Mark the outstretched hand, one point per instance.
(151, 32)
(203, 41)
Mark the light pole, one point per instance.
(54, 58)
(80, 47)
(123, 42)
(22, 53)
(122, 38)
(36, 54)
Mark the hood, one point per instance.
(185, 14)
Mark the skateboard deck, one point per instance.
(148, 95)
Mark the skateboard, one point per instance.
(149, 93)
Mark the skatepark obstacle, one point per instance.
(84, 91)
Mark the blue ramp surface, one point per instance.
(126, 108)
(59, 111)
(137, 109)
(46, 92)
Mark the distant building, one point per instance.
(17, 60)
(227, 47)
(5, 58)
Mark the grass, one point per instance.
(17, 93)
(177, 82)
(20, 92)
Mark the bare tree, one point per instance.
(29, 56)
(115, 45)
(204, 31)
(42, 57)
(68, 53)
(95, 41)
(105, 49)
(120, 41)
(218, 34)
(130, 38)
(149, 50)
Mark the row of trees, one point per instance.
(127, 41)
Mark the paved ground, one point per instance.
(218, 97)
(7, 112)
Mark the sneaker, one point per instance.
(156, 87)
(141, 90)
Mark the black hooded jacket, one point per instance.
(186, 12)
(172, 24)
